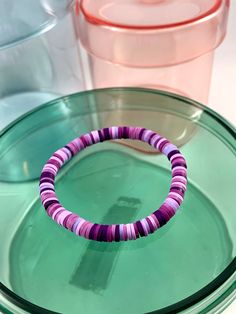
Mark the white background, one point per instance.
(223, 86)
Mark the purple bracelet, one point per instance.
(119, 232)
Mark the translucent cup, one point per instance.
(39, 58)
(187, 266)
(163, 44)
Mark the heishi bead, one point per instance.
(164, 213)
(154, 139)
(133, 235)
(113, 229)
(176, 155)
(80, 223)
(88, 139)
(173, 204)
(70, 220)
(167, 208)
(117, 233)
(63, 216)
(169, 148)
(146, 135)
(65, 153)
(163, 144)
(69, 151)
(132, 133)
(125, 132)
(129, 234)
(156, 220)
(158, 144)
(179, 179)
(89, 227)
(58, 210)
(137, 131)
(73, 147)
(160, 217)
(83, 228)
(155, 226)
(51, 209)
(114, 132)
(125, 233)
(145, 226)
(121, 232)
(140, 228)
(76, 224)
(96, 231)
(175, 194)
(109, 235)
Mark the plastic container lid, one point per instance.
(152, 32)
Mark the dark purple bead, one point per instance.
(99, 233)
(100, 136)
(47, 189)
(106, 134)
(46, 180)
(92, 232)
(140, 228)
(117, 233)
(103, 236)
(125, 132)
(178, 164)
(48, 203)
(92, 138)
(173, 152)
(164, 213)
(47, 174)
(141, 133)
(166, 208)
(160, 217)
(120, 132)
(136, 231)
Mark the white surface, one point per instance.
(223, 87)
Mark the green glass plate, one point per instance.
(45, 268)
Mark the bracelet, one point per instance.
(114, 232)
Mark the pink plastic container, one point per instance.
(163, 44)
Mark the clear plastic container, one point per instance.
(39, 58)
(188, 266)
(163, 44)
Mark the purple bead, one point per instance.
(160, 217)
(140, 228)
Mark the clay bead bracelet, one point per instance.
(114, 232)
